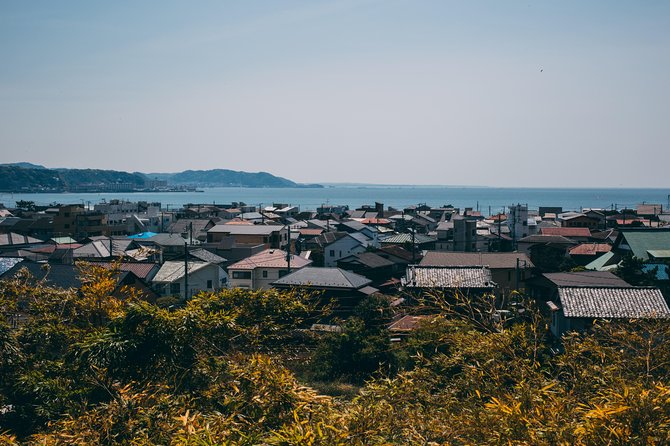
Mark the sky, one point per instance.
(494, 93)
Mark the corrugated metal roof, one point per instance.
(596, 279)
(614, 303)
(659, 253)
(17, 239)
(448, 277)
(641, 241)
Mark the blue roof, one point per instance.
(661, 272)
(143, 235)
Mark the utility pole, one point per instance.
(190, 232)
(185, 271)
(288, 251)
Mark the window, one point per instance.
(332, 253)
(209, 284)
(282, 273)
(175, 288)
(265, 274)
(241, 274)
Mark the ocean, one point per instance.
(487, 199)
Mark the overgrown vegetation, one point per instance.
(88, 368)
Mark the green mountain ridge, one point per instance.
(27, 177)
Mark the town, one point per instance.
(577, 265)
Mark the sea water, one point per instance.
(487, 199)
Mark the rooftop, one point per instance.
(615, 303)
(270, 258)
(494, 260)
(448, 277)
(324, 277)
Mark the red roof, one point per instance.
(310, 231)
(375, 221)
(567, 232)
(590, 249)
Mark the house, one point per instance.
(345, 246)
(270, 236)
(13, 241)
(544, 288)
(577, 307)
(420, 241)
(586, 253)
(509, 270)
(368, 264)
(638, 242)
(469, 280)
(577, 234)
(202, 276)
(580, 220)
(193, 229)
(260, 270)
(346, 288)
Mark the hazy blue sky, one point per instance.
(502, 93)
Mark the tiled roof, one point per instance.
(493, 260)
(207, 256)
(590, 249)
(56, 275)
(616, 303)
(269, 258)
(448, 277)
(7, 263)
(566, 232)
(400, 239)
(324, 278)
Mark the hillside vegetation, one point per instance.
(233, 368)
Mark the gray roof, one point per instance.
(164, 240)
(324, 278)
(399, 239)
(55, 275)
(17, 239)
(246, 229)
(207, 256)
(369, 259)
(173, 271)
(615, 303)
(597, 279)
(494, 260)
(448, 277)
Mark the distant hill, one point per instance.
(26, 177)
(225, 177)
(24, 165)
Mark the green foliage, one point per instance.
(630, 270)
(88, 368)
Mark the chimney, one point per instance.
(379, 207)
